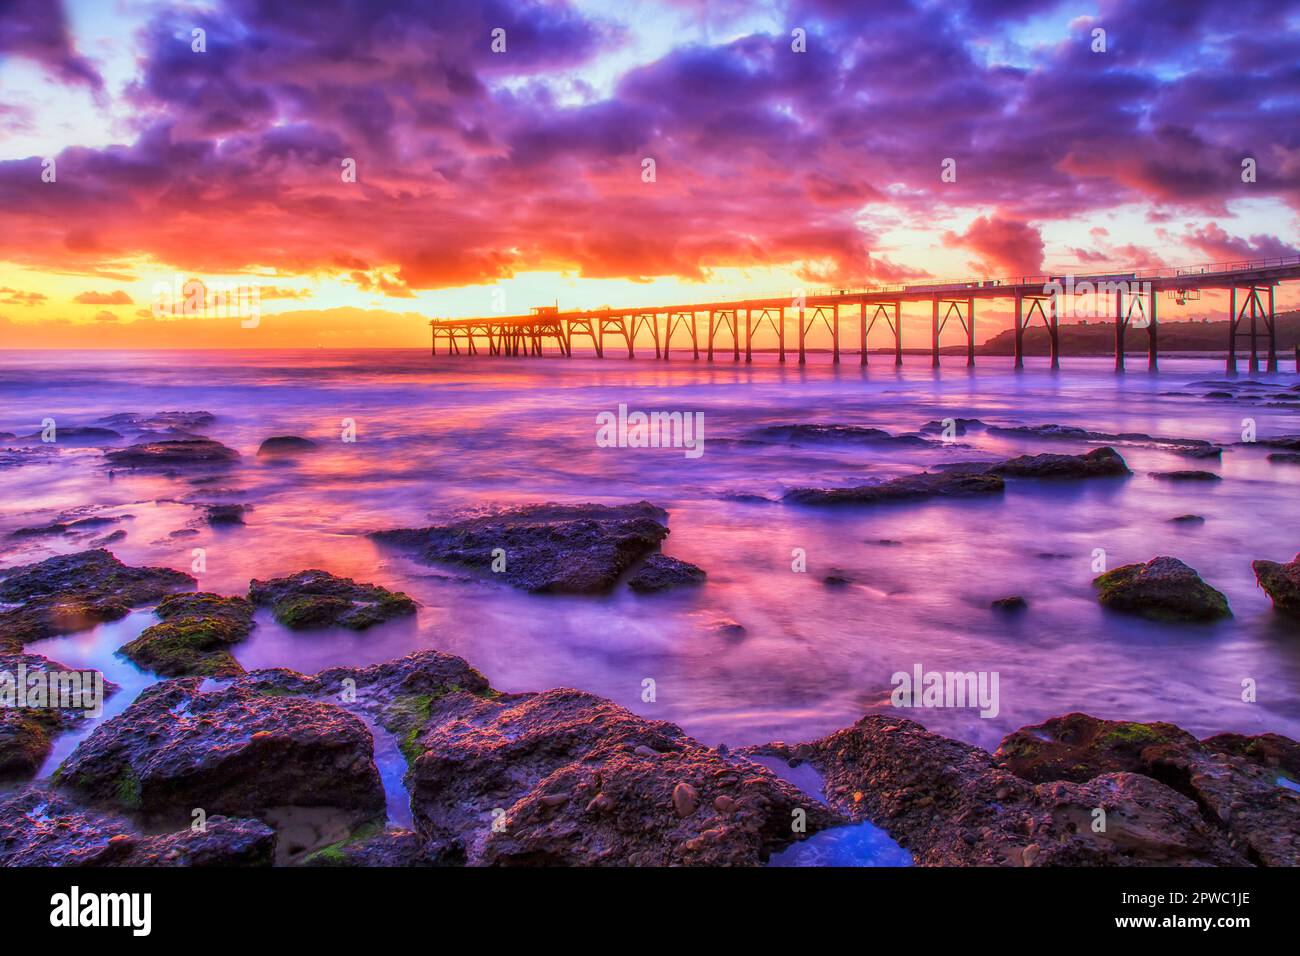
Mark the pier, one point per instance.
(722, 328)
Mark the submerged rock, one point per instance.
(180, 451)
(659, 572)
(1188, 519)
(317, 598)
(279, 445)
(27, 733)
(390, 846)
(225, 514)
(1236, 794)
(1185, 476)
(231, 751)
(194, 636)
(73, 592)
(160, 420)
(80, 435)
(952, 804)
(1285, 457)
(1012, 604)
(550, 548)
(1286, 442)
(1164, 588)
(835, 434)
(1196, 447)
(1098, 463)
(577, 780)
(909, 488)
(1281, 582)
(45, 828)
(960, 425)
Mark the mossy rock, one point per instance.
(316, 599)
(194, 636)
(1164, 589)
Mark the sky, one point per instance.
(501, 151)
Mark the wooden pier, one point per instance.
(1134, 297)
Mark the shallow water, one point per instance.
(436, 437)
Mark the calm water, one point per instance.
(437, 437)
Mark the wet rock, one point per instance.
(1272, 751)
(232, 750)
(1218, 394)
(1185, 476)
(812, 434)
(315, 598)
(837, 579)
(194, 636)
(391, 846)
(951, 804)
(1285, 457)
(66, 526)
(1099, 463)
(573, 549)
(1012, 604)
(1164, 589)
(73, 592)
(160, 420)
(78, 435)
(1285, 442)
(44, 828)
(225, 514)
(659, 573)
(281, 445)
(581, 781)
(1235, 794)
(1192, 446)
(1281, 582)
(171, 453)
(726, 627)
(1188, 519)
(960, 426)
(909, 488)
(1198, 451)
(113, 537)
(27, 732)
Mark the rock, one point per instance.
(1188, 519)
(225, 514)
(73, 592)
(45, 828)
(1098, 463)
(1164, 588)
(317, 598)
(659, 573)
(232, 750)
(837, 579)
(181, 451)
(160, 420)
(279, 445)
(1235, 794)
(27, 732)
(726, 627)
(835, 434)
(1195, 447)
(951, 804)
(390, 846)
(63, 527)
(1285, 442)
(1281, 582)
(1285, 457)
(1272, 751)
(550, 548)
(111, 538)
(622, 807)
(1197, 451)
(960, 426)
(194, 636)
(909, 488)
(1012, 604)
(1185, 476)
(77, 435)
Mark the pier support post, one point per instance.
(735, 335)
(835, 334)
(1153, 333)
(970, 332)
(862, 331)
(1054, 330)
(780, 334)
(802, 357)
(1272, 333)
(695, 336)
(934, 333)
(898, 333)
(749, 336)
(1232, 331)
(1020, 331)
(1119, 330)
(710, 335)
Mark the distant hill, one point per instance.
(1098, 338)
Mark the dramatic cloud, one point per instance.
(473, 165)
